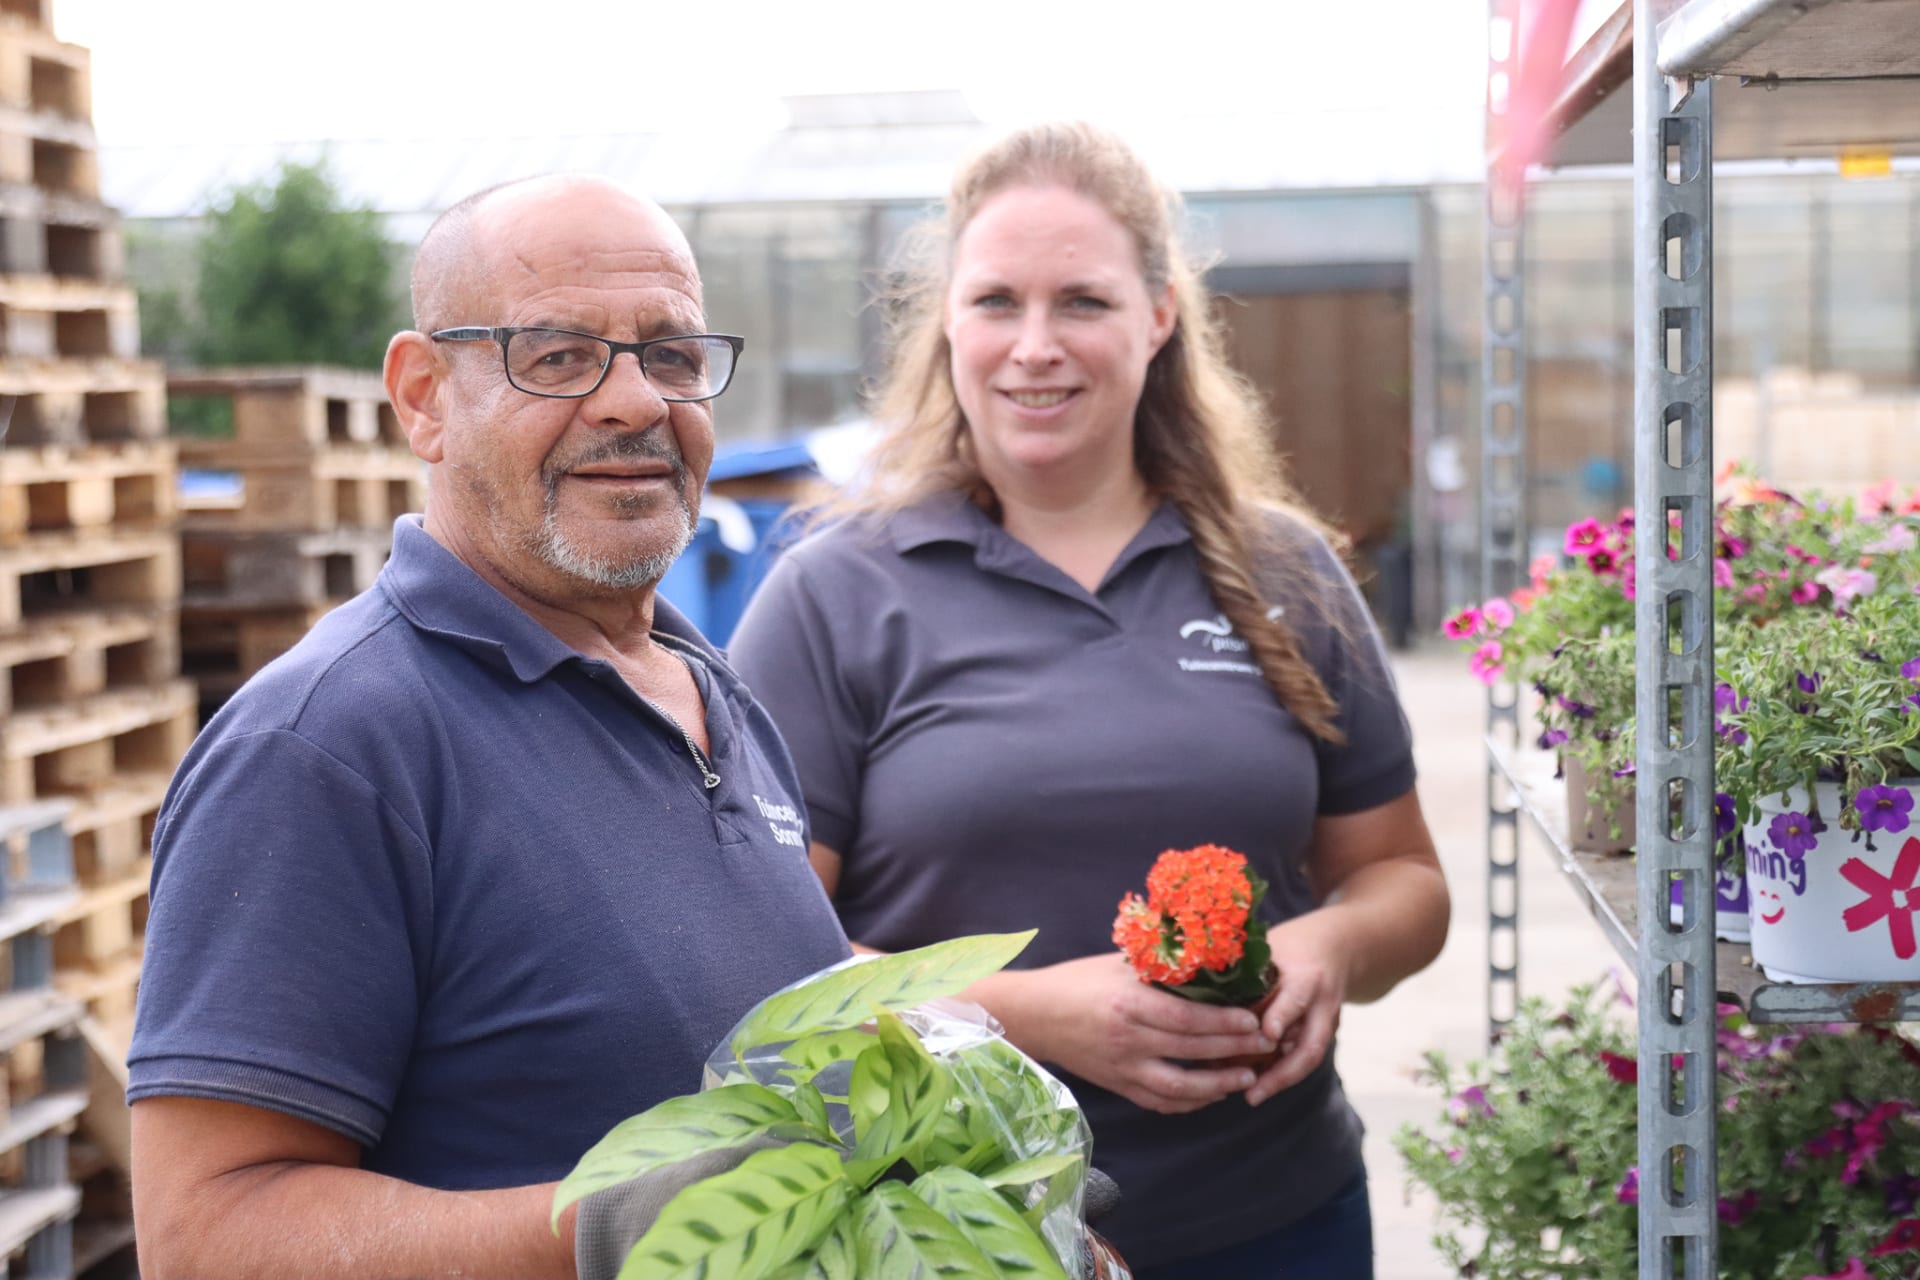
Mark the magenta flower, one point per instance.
(1486, 662)
(1792, 834)
(1904, 1238)
(1883, 808)
(1628, 1192)
(1737, 1209)
(1856, 1270)
(1731, 547)
(1722, 574)
(1584, 536)
(1805, 593)
(1603, 562)
(1463, 624)
(1624, 1070)
(1498, 612)
(1468, 1104)
(1627, 587)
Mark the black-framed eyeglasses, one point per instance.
(567, 365)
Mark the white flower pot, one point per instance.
(1841, 913)
(1731, 917)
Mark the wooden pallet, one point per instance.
(73, 402)
(45, 316)
(222, 648)
(57, 659)
(45, 233)
(128, 486)
(49, 151)
(334, 486)
(111, 823)
(278, 570)
(109, 993)
(55, 573)
(105, 924)
(282, 412)
(44, 75)
(77, 749)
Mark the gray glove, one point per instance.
(611, 1222)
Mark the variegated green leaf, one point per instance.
(850, 996)
(993, 1226)
(812, 1109)
(812, 1054)
(746, 1223)
(916, 1089)
(1018, 1175)
(677, 1129)
(899, 1237)
(831, 1259)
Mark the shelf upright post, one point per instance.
(1503, 473)
(1673, 628)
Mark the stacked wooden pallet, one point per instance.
(93, 712)
(299, 479)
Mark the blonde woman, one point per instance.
(1074, 618)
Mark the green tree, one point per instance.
(290, 274)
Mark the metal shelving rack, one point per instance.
(1686, 81)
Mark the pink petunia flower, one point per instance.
(1584, 536)
(1463, 624)
(1498, 612)
(1486, 662)
(1806, 593)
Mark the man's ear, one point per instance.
(415, 379)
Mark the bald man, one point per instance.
(484, 865)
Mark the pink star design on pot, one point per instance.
(1890, 897)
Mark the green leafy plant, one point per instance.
(897, 1161)
(1534, 1162)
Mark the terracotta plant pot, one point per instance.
(1259, 1061)
(1590, 829)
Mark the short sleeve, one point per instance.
(282, 968)
(1375, 764)
(784, 649)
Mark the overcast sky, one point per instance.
(255, 70)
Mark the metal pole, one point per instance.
(1503, 474)
(1673, 628)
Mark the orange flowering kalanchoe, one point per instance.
(1190, 933)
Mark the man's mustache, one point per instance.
(620, 447)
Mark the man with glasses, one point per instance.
(483, 865)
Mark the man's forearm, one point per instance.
(272, 1221)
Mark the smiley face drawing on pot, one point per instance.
(1768, 873)
(1769, 915)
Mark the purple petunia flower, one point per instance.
(1725, 820)
(1792, 834)
(1807, 683)
(1575, 708)
(1628, 1192)
(1911, 669)
(1901, 1190)
(1883, 808)
(1552, 738)
(1469, 1103)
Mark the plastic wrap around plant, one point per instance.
(886, 1129)
(1004, 1108)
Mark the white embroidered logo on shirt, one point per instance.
(1215, 635)
(783, 820)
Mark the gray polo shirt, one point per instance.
(989, 746)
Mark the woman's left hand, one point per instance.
(1303, 1017)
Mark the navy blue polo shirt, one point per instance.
(990, 746)
(441, 883)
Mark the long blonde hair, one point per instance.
(1201, 436)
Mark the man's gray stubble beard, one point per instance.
(557, 551)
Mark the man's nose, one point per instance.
(625, 393)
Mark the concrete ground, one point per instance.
(1444, 1007)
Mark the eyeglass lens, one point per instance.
(553, 362)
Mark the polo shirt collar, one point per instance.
(438, 592)
(950, 517)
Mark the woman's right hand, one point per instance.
(1094, 1018)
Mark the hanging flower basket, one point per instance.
(1831, 905)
